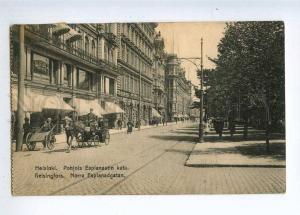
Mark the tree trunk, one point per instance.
(267, 137)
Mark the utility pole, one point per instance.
(201, 126)
(21, 86)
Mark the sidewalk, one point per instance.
(237, 152)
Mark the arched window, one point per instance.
(94, 53)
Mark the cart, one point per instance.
(46, 137)
(92, 136)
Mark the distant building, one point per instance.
(159, 67)
(178, 90)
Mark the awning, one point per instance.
(155, 113)
(73, 36)
(111, 108)
(83, 106)
(60, 28)
(52, 102)
(35, 102)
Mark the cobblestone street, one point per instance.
(150, 161)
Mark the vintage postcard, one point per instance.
(148, 108)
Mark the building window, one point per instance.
(83, 82)
(40, 65)
(67, 75)
(45, 69)
(86, 45)
(127, 56)
(109, 86)
(94, 53)
(105, 52)
(93, 81)
(15, 57)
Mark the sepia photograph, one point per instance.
(147, 108)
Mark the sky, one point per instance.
(184, 39)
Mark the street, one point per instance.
(150, 161)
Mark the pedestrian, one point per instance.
(120, 124)
(206, 128)
(26, 128)
(129, 127)
(219, 125)
(69, 129)
(163, 121)
(138, 124)
(157, 122)
(45, 128)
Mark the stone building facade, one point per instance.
(159, 67)
(66, 65)
(118, 69)
(135, 61)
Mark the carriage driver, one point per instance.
(92, 119)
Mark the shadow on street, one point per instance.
(254, 150)
(187, 138)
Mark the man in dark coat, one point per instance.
(129, 127)
(219, 125)
(91, 117)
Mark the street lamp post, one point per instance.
(201, 126)
(190, 59)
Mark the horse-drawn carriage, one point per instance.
(92, 134)
(46, 137)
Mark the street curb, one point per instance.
(235, 165)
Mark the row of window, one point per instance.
(45, 69)
(130, 57)
(134, 36)
(132, 84)
(88, 44)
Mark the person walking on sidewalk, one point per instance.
(219, 125)
(206, 128)
(129, 127)
(69, 129)
(120, 124)
(138, 124)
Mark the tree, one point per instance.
(250, 70)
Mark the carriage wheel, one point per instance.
(50, 142)
(96, 140)
(107, 138)
(30, 145)
(79, 140)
